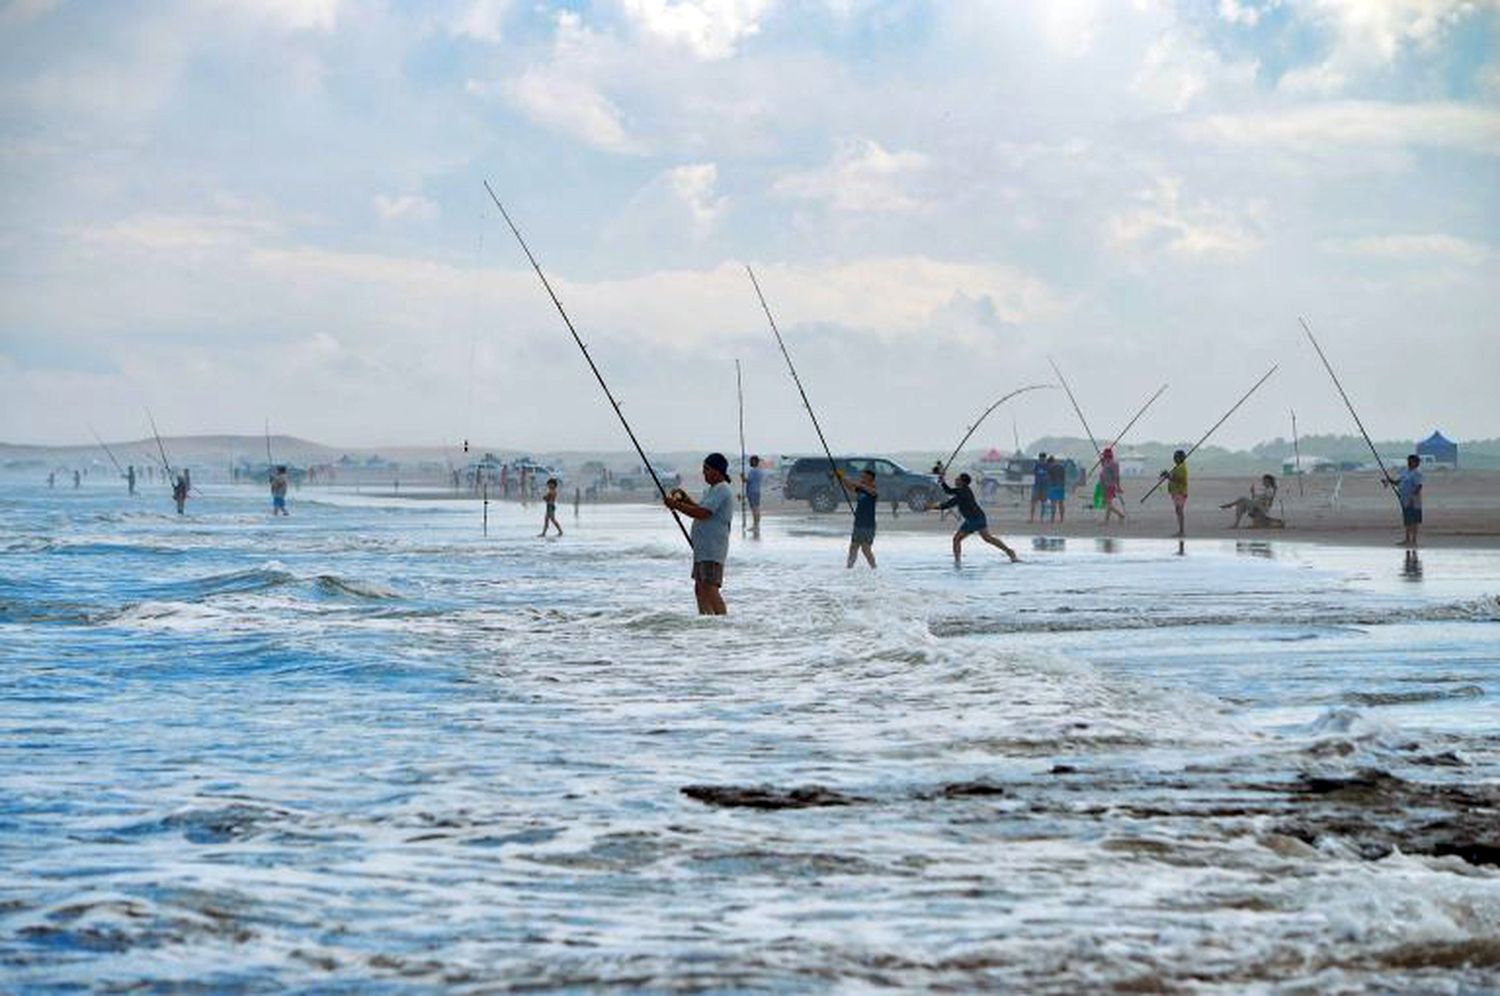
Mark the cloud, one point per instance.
(180, 231)
(288, 15)
(1176, 70)
(404, 207)
(1320, 127)
(1367, 36)
(709, 29)
(18, 12)
(861, 178)
(1070, 26)
(1436, 247)
(1197, 230)
(479, 20)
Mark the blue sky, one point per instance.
(241, 210)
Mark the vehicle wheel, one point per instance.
(823, 500)
(919, 499)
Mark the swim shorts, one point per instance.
(1179, 500)
(278, 502)
(1411, 516)
(975, 525)
(709, 572)
(1055, 494)
(861, 536)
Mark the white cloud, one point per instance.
(1368, 35)
(1070, 26)
(710, 29)
(694, 187)
(1176, 70)
(1319, 127)
(289, 15)
(480, 20)
(1411, 247)
(1246, 13)
(180, 231)
(862, 178)
(1201, 229)
(404, 207)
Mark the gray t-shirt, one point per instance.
(711, 536)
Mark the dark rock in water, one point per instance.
(1064, 769)
(965, 790)
(1447, 759)
(768, 797)
(1376, 813)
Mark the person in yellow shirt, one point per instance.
(1177, 488)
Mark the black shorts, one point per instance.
(1411, 516)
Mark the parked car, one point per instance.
(810, 479)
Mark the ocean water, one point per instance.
(366, 748)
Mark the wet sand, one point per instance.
(1461, 509)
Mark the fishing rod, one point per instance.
(1210, 432)
(739, 385)
(270, 460)
(1121, 434)
(1064, 382)
(160, 446)
(1350, 405)
(108, 451)
(1297, 453)
(832, 464)
(985, 414)
(597, 375)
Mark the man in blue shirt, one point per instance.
(712, 515)
(1409, 489)
(1038, 487)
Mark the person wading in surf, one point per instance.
(712, 515)
(862, 540)
(550, 497)
(754, 479)
(974, 521)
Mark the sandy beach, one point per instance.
(1461, 509)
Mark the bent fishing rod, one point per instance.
(739, 386)
(985, 414)
(1214, 427)
(592, 366)
(1350, 405)
(1089, 432)
(832, 464)
(1128, 425)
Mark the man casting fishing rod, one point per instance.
(712, 516)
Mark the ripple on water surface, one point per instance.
(367, 746)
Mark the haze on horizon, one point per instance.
(247, 210)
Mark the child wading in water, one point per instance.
(962, 497)
(551, 499)
(862, 540)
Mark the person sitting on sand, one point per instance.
(974, 521)
(862, 539)
(1256, 505)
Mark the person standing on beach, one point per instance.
(1177, 487)
(712, 515)
(1038, 487)
(550, 498)
(278, 491)
(1057, 487)
(974, 521)
(754, 478)
(862, 539)
(1109, 480)
(1409, 488)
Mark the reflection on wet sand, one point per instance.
(1255, 548)
(1107, 544)
(1411, 567)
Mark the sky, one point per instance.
(250, 212)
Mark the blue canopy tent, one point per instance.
(1438, 449)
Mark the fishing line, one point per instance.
(1215, 426)
(986, 413)
(832, 464)
(592, 366)
(1350, 405)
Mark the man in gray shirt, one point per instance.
(712, 516)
